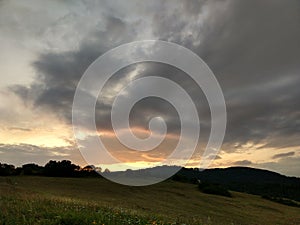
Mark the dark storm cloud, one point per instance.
(283, 155)
(254, 50)
(57, 74)
(252, 47)
(255, 38)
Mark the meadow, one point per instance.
(45, 200)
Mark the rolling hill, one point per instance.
(53, 200)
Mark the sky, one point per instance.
(252, 47)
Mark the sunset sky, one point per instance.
(252, 47)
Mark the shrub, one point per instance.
(284, 201)
(214, 189)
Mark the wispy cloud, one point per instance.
(283, 155)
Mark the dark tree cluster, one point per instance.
(7, 170)
(64, 168)
(61, 169)
(214, 189)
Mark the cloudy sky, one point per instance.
(252, 47)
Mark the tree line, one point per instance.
(64, 168)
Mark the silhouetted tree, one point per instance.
(63, 168)
(7, 170)
(88, 168)
(88, 171)
(106, 170)
(32, 169)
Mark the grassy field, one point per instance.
(43, 200)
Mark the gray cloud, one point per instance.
(242, 163)
(288, 166)
(283, 155)
(24, 153)
(58, 73)
(253, 49)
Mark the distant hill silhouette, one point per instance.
(249, 180)
(242, 179)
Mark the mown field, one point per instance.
(44, 200)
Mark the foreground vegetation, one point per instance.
(46, 200)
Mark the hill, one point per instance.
(249, 180)
(241, 179)
(48, 200)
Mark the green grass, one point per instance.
(43, 200)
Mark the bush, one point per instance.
(180, 178)
(7, 170)
(214, 189)
(284, 201)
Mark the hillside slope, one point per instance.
(249, 180)
(168, 201)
